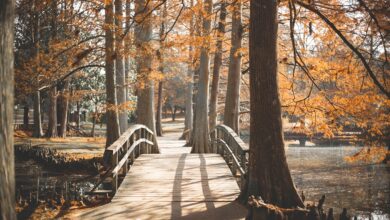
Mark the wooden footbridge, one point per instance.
(174, 184)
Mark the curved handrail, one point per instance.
(230, 146)
(137, 140)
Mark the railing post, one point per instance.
(218, 137)
(125, 169)
(148, 146)
(115, 177)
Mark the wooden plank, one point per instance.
(174, 185)
(178, 177)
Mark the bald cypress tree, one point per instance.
(269, 175)
(7, 175)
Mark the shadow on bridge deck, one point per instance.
(174, 185)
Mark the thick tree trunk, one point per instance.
(120, 68)
(145, 95)
(188, 121)
(217, 66)
(64, 102)
(37, 131)
(7, 173)
(113, 132)
(269, 175)
(232, 104)
(52, 126)
(201, 135)
(159, 130)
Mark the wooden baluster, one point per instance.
(125, 168)
(148, 137)
(138, 146)
(132, 155)
(144, 145)
(115, 177)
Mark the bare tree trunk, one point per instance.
(64, 101)
(159, 130)
(26, 117)
(113, 132)
(7, 173)
(52, 126)
(232, 104)
(127, 48)
(78, 106)
(94, 121)
(143, 37)
(37, 132)
(217, 67)
(160, 55)
(201, 135)
(119, 65)
(189, 116)
(269, 175)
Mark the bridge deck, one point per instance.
(174, 185)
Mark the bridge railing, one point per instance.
(137, 140)
(231, 147)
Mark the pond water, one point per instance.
(31, 176)
(364, 189)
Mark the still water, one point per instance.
(33, 179)
(362, 188)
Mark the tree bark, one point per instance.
(159, 130)
(160, 55)
(26, 118)
(201, 135)
(94, 121)
(113, 132)
(52, 126)
(189, 114)
(217, 66)
(232, 103)
(127, 48)
(269, 175)
(37, 132)
(7, 173)
(64, 102)
(145, 95)
(78, 106)
(120, 68)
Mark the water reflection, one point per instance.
(362, 188)
(31, 176)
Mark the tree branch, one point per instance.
(348, 44)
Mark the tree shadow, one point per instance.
(176, 192)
